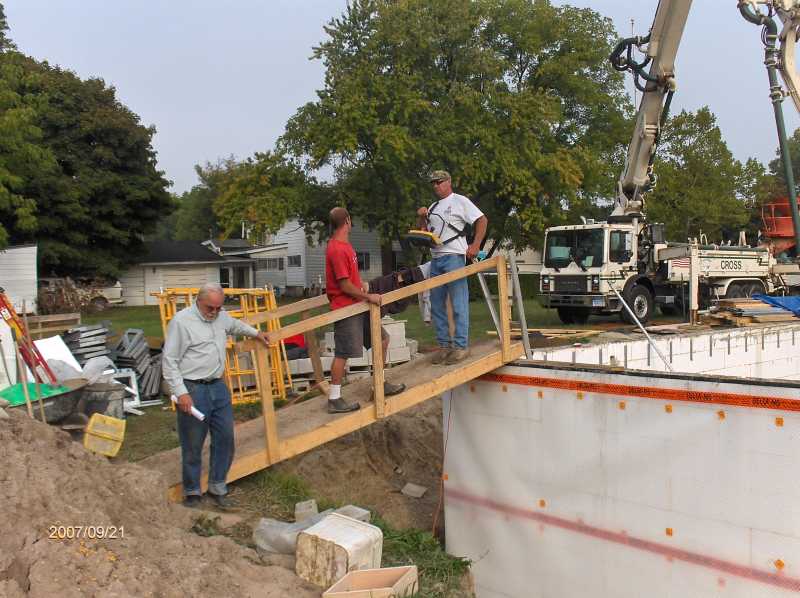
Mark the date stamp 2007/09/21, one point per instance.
(91, 532)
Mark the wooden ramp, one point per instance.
(307, 425)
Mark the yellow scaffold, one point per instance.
(239, 367)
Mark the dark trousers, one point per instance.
(214, 401)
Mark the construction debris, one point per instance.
(329, 550)
(133, 353)
(414, 490)
(305, 509)
(86, 342)
(376, 583)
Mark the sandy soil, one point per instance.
(370, 466)
(48, 480)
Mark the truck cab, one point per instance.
(582, 262)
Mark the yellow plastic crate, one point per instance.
(104, 434)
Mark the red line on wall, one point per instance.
(651, 392)
(709, 562)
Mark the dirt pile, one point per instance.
(48, 480)
(370, 467)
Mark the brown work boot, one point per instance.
(441, 355)
(341, 406)
(390, 389)
(456, 355)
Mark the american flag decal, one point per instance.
(682, 262)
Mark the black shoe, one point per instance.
(342, 406)
(193, 501)
(220, 500)
(390, 389)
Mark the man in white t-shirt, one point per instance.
(450, 218)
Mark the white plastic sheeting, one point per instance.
(575, 481)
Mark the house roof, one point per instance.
(257, 249)
(162, 252)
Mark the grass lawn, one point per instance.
(148, 319)
(145, 317)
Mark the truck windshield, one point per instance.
(585, 247)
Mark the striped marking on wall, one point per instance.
(649, 392)
(774, 579)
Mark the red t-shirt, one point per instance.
(340, 262)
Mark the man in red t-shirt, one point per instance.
(344, 287)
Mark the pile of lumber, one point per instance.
(550, 333)
(744, 312)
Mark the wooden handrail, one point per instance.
(437, 281)
(314, 322)
(287, 310)
(386, 299)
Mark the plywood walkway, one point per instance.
(307, 425)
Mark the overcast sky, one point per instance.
(221, 78)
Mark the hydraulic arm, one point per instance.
(654, 76)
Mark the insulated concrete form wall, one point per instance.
(578, 481)
(770, 352)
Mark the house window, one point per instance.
(270, 263)
(294, 261)
(363, 261)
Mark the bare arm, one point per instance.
(422, 218)
(480, 232)
(356, 293)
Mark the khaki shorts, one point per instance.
(352, 336)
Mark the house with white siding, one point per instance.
(182, 264)
(305, 261)
(269, 264)
(18, 276)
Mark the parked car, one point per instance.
(79, 293)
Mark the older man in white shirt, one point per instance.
(193, 365)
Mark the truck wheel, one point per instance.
(565, 315)
(754, 288)
(736, 291)
(640, 300)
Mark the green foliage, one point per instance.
(515, 98)
(89, 189)
(701, 187)
(264, 191)
(439, 573)
(22, 156)
(5, 41)
(776, 165)
(195, 218)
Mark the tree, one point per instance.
(263, 191)
(6, 43)
(701, 187)
(776, 165)
(89, 212)
(515, 98)
(22, 156)
(195, 217)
